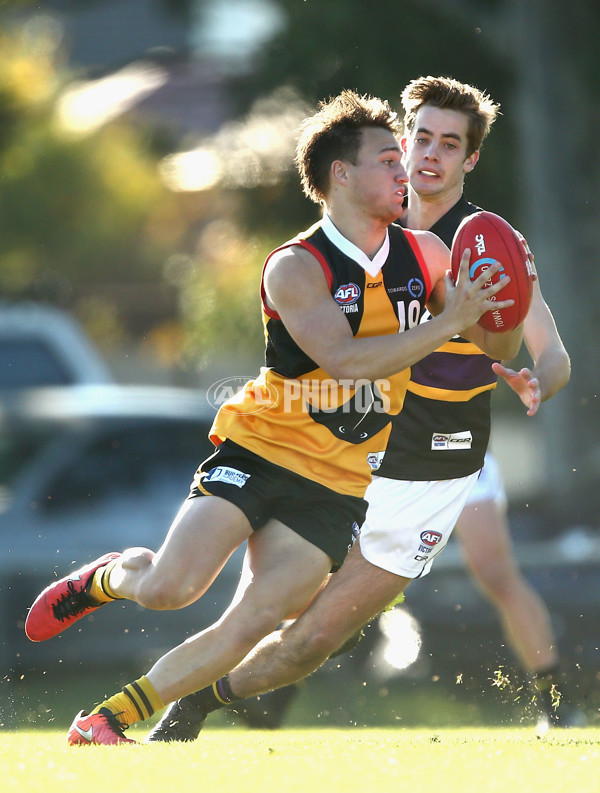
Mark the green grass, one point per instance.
(42, 701)
(324, 760)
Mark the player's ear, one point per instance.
(471, 162)
(338, 171)
(404, 143)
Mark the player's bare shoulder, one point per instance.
(289, 257)
(429, 242)
(435, 253)
(290, 270)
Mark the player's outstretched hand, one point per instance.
(468, 300)
(524, 384)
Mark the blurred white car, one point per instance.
(42, 345)
(90, 469)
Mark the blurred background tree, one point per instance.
(83, 217)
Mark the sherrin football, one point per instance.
(492, 239)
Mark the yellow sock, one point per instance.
(100, 589)
(136, 702)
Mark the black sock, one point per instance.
(211, 698)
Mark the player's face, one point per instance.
(435, 152)
(378, 179)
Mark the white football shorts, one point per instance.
(409, 523)
(489, 485)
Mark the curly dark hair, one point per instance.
(334, 133)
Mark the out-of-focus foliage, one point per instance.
(87, 223)
(76, 211)
(372, 48)
(377, 48)
(11, 5)
(179, 7)
(220, 303)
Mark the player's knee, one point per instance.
(156, 588)
(162, 596)
(137, 560)
(151, 591)
(162, 593)
(314, 648)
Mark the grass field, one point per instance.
(311, 761)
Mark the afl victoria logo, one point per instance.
(430, 538)
(346, 294)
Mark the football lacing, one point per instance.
(73, 603)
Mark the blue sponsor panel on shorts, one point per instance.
(230, 476)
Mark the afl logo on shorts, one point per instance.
(430, 538)
(346, 294)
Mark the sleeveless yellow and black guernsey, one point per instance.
(444, 428)
(296, 416)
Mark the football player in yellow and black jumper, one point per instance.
(297, 446)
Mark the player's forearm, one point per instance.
(553, 370)
(500, 346)
(374, 358)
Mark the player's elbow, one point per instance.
(560, 375)
(504, 346)
(565, 372)
(511, 350)
(344, 367)
(566, 367)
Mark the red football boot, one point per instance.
(64, 602)
(102, 728)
